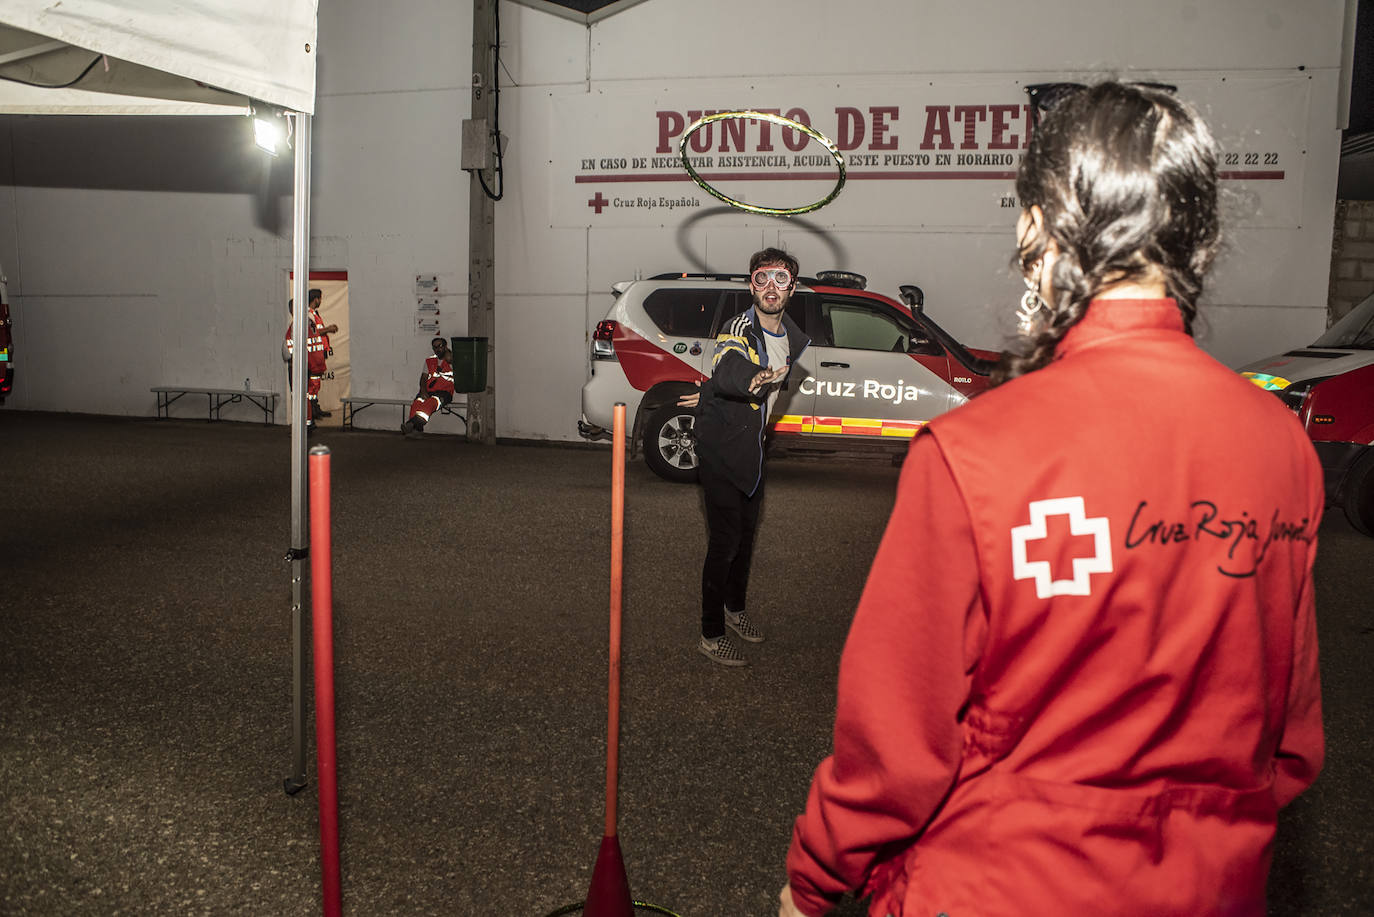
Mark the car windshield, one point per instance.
(1355, 331)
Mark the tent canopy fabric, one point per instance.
(166, 57)
(173, 57)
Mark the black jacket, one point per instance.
(730, 423)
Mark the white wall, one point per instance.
(1270, 288)
(160, 251)
(152, 240)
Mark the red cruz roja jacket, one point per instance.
(1082, 678)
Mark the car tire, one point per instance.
(1358, 494)
(670, 443)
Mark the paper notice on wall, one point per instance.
(426, 284)
(427, 315)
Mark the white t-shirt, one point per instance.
(776, 345)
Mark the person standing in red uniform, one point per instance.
(436, 388)
(317, 352)
(1082, 677)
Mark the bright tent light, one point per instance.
(268, 133)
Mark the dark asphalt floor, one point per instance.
(145, 679)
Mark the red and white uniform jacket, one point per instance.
(1082, 677)
(437, 388)
(438, 376)
(316, 342)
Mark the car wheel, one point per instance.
(1358, 501)
(670, 443)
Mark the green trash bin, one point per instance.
(469, 364)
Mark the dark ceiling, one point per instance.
(582, 6)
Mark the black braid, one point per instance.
(1126, 179)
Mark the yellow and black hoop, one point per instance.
(806, 129)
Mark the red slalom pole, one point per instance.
(322, 621)
(609, 894)
(617, 559)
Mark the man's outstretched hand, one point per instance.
(766, 377)
(690, 399)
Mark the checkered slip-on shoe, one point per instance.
(741, 625)
(722, 650)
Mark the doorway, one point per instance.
(337, 382)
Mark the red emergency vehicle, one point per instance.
(1330, 386)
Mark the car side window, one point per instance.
(734, 302)
(684, 312)
(862, 327)
(797, 311)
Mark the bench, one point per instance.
(353, 404)
(217, 398)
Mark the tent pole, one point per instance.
(300, 533)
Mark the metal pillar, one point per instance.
(482, 223)
(300, 531)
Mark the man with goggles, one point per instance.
(753, 354)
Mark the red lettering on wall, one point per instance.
(970, 115)
(855, 128)
(880, 115)
(850, 132)
(766, 129)
(670, 124)
(732, 132)
(701, 140)
(937, 127)
(1000, 116)
(794, 139)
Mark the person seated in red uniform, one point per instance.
(1082, 677)
(436, 388)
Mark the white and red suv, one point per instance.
(1330, 386)
(875, 369)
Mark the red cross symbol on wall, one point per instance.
(598, 202)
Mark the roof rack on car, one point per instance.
(849, 279)
(686, 276)
(824, 278)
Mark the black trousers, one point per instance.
(731, 519)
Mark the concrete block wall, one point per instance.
(1352, 257)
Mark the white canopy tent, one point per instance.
(161, 57)
(186, 57)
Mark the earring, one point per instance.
(1032, 304)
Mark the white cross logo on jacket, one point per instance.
(1083, 567)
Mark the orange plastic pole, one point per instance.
(322, 621)
(617, 555)
(609, 893)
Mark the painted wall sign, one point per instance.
(926, 154)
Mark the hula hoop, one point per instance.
(806, 129)
(638, 905)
